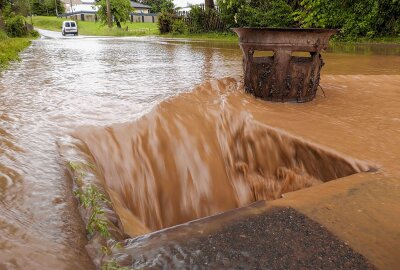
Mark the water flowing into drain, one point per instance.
(197, 155)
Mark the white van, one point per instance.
(69, 27)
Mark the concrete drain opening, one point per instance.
(242, 163)
(267, 163)
(271, 162)
(262, 163)
(180, 164)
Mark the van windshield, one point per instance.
(72, 24)
(67, 24)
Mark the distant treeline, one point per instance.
(35, 7)
(356, 18)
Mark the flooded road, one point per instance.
(65, 83)
(61, 84)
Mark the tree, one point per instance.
(157, 5)
(120, 10)
(356, 18)
(108, 13)
(22, 7)
(44, 7)
(256, 13)
(167, 6)
(209, 4)
(167, 16)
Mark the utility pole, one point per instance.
(109, 19)
(30, 11)
(70, 4)
(55, 2)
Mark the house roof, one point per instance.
(138, 5)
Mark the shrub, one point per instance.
(34, 33)
(165, 21)
(179, 27)
(15, 26)
(205, 20)
(197, 17)
(3, 35)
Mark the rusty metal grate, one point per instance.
(284, 76)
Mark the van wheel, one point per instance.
(63, 33)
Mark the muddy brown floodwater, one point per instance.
(211, 142)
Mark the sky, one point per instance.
(184, 3)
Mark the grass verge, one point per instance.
(10, 48)
(97, 28)
(128, 29)
(364, 40)
(218, 37)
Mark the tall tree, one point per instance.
(41, 7)
(209, 3)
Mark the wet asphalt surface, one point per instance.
(281, 238)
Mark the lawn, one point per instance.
(9, 49)
(97, 28)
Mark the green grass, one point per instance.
(134, 29)
(113, 265)
(378, 40)
(212, 36)
(97, 28)
(10, 48)
(91, 198)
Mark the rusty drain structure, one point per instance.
(283, 77)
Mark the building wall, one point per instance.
(68, 2)
(141, 10)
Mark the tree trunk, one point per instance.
(109, 18)
(209, 3)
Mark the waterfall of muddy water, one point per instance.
(197, 155)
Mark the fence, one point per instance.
(92, 16)
(144, 17)
(209, 21)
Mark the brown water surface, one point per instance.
(63, 84)
(202, 153)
